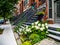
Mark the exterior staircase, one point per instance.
(25, 16)
(53, 33)
(29, 22)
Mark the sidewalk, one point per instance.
(7, 38)
(48, 41)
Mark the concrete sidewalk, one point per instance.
(7, 38)
(48, 41)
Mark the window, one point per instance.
(50, 8)
(50, 3)
(58, 9)
(50, 13)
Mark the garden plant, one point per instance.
(33, 33)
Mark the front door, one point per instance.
(57, 11)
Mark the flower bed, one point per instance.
(34, 33)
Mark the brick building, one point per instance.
(24, 4)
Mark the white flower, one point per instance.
(47, 27)
(37, 27)
(46, 24)
(43, 25)
(32, 24)
(41, 29)
(20, 29)
(39, 24)
(28, 30)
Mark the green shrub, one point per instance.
(1, 31)
(35, 38)
(38, 13)
(36, 32)
(58, 29)
(27, 43)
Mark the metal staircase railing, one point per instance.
(25, 16)
(19, 17)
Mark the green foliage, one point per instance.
(58, 29)
(36, 32)
(16, 29)
(39, 13)
(35, 38)
(1, 31)
(6, 7)
(27, 43)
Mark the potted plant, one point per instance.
(40, 15)
(1, 31)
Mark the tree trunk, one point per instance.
(4, 20)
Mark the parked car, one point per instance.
(1, 21)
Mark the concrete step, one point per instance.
(51, 28)
(54, 36)
(27, 23)
(54, 25)
(56, 32)
(35, 16)
(31, 20)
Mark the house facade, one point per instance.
(24, 4)
(53, 8)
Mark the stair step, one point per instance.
(51, 28)
(31, 21)
(28, 23)
(22, 27)
(56, 32)
(35, 16)
(54, 25)
(53, 36)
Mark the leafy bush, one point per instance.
(38, 13)
(36, 32)
(27, 43)
(58, 29)
(1, 31)
(34, 37)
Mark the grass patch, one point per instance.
(58, 29)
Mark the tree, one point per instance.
(7, 7)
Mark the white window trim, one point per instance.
(52, 10)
